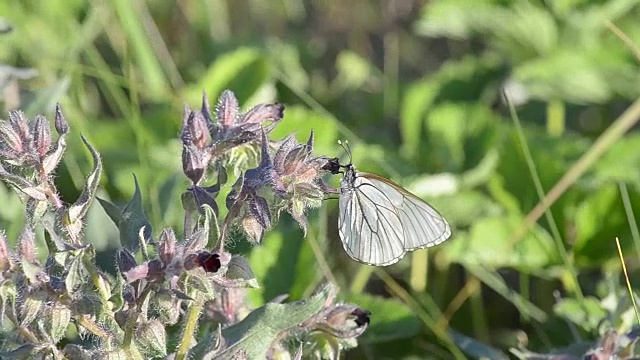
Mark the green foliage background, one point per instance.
(416, 89)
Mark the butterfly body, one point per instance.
(380, 222)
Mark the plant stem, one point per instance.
(193, 315)
(571, 281)
(419, 270)
(555, 118)
(626, 200)
(613, 133)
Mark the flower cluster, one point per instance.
(287, 179)
(187, 279)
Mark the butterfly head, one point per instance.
(348, 177)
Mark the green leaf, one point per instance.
(211, 227)
(75, 276)
(621, 163)
(490, 242)
(256, 333)
(390, 318)
(453, 18)
(418, 98)
(56, 321)
(594, 237)
(112, 211)
(569, 75)
(30, 307)
(239, 269)
(587, 314)
(353, 71)
(132, 219)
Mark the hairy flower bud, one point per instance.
(253, 229)
(227, 109)
(167, 247)
(41, 134)
(152, 338)
(167, 306)
(21, 126)
(199, 130)
(28, 244)
(10, 141)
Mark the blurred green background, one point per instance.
(416, 87)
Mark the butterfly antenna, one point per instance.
(347, 149)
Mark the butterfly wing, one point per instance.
(422, 225)
(369, 225)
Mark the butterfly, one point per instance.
(380, 221)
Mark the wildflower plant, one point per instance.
(173, 295)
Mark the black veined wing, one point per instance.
(380, 221)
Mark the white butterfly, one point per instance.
(380, 221)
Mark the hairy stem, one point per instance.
(193, 314)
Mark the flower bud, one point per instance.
(168, 307)
(199, 130)
(41, 136)
(61, 124)
(227, 109)
(167, 247)
(152, 338)
(10, 140)
(21, 125)
(28, 244)
(192, 165)
(253, 229)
